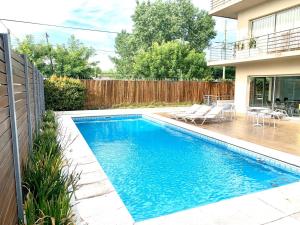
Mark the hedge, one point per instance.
(64, 94)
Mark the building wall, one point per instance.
(264, 68)
(258, 11)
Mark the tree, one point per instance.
(37, 52)
(170, 60)
(217, 72)
(126, 47)
(163, 21)
(72, 59)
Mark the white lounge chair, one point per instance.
(214, 113)
(190, 110)
(200, 112)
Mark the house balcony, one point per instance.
(230, 8)
(268, 47)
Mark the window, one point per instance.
(284, 20)
(288, 19)
(263, 26)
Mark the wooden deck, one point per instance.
(285, 137)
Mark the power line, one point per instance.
(59, 26)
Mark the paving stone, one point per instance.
(89, 178)
(94, 189)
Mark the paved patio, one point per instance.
(285, 137)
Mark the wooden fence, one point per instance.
(107, 93)
(21, 108)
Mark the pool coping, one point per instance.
(99, 203)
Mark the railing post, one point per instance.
(43, 94)
(38, 94)
(13, 123)
(30, 137)
(40, 88)
(35, 100)
(268, 43)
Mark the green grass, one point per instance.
(48, 182)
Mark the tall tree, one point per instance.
(126, 47)
(72, 59)
(36, 52)
(171, 60)
(163, 21)
(170, 20)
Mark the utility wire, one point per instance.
(60, 26)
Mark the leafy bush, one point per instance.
(47, 180)
(63, 94)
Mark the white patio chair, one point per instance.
(267, 114)
(228, 108)
(280, 114)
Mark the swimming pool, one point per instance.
(159, 169)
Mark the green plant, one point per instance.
(63, 93)
(239, 45)
(252, 43)
(48, 182)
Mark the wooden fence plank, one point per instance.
(4, 113)
(3, 101)
(2, 56)
(3, 90)
(2, 67)
(3, 78)
(18, 65)
(17, 57)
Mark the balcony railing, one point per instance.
(283, 41)
(217, 3)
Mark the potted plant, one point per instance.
(252, 43)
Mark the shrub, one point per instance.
(47, 180)
(63, 94)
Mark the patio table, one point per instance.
(258, 111)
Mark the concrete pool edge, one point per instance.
(260, 206)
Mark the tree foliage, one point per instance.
(171, 60)
(126, 48)
(217, 72)
(72, 59)
(160, 22)
(163, 21)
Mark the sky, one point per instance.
(112, 15)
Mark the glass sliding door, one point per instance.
(287, 94)
(276, 92)
(261, 90)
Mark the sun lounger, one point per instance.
(200, 112)
(214, 113)
(190, 110)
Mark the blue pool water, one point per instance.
(159, 169)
